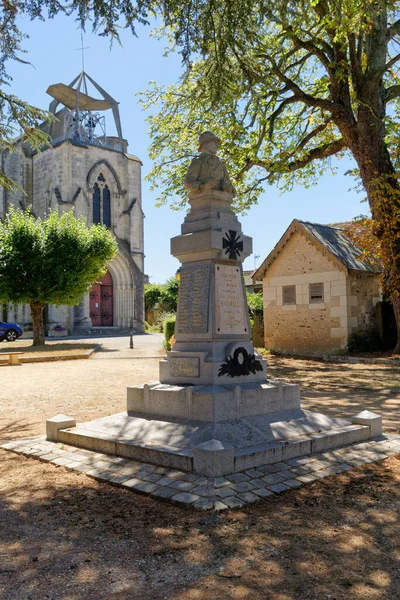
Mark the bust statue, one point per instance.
(207, 172)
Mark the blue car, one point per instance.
(10, 331)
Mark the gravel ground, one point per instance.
(65, 536)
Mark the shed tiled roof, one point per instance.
(331, 238)
(338, 244)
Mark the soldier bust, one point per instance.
(207, 172)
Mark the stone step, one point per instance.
(181, 458)
(109, 444)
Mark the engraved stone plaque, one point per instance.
(184, 367)
(230, 301)
(194, 291)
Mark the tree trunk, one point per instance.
(395, 299)
(37, 309)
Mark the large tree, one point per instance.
(50, 261)
(288, 84)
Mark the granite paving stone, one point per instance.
(203, 493)
(278, 487)
(319, 464)
(249, 497)
(174, 473)
(219, 481)
(221, 506)
(184, 486)
(275, 478)
(203, 490)
(301, 470)
(165, 481)
(245, 486)
(185, 498)
(254, 473)
(119, 478)
(287, 475)
(234, 502)
(146, 487)
(163, 493)
(292, 483)
(152, 478)
(131, 483)
(267, 469)
(307, 478)
(204, 503)
(264, 492)
(225, 491)
(191, 477)
(258, 483)
(238, 477)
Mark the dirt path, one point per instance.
(67, 537)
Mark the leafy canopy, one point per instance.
(53, 260)
(285, 84)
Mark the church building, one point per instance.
(86, 170)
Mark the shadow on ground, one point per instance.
(68, 537)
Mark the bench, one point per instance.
(13, 357)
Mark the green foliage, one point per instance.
(364, 341)
(170, 294)
(169, 329)
(255, 303)
(152, 295)
(53, 260)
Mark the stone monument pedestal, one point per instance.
(213, 410)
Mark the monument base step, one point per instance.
(215, 449)
(213, 403)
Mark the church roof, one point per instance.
(327, 238)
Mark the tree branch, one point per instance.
(307, 99)
(393, 29)
(388, 65)
(319, 129)
(317, 153)
(356, 69)
(320, 152)
(308, 45)
(392, 92)
(278, 111)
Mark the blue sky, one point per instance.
(125, 71)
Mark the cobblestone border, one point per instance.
(207, 493)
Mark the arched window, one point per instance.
(101, 202)
(106, 206)
(96, 204)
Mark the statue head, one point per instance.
(205, 140)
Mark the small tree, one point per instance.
(152, 295)
(170, 293)
(53, 260)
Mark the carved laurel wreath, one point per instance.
(241, 363)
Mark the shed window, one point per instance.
(316, 293)
(289, 294)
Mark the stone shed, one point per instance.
(316, 290)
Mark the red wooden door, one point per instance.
(101, 302)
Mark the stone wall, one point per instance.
(307, 327)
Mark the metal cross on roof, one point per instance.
(82, 50)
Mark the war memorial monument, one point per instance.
(213, 411)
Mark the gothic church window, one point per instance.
(101, 202)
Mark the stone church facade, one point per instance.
(101, 181)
